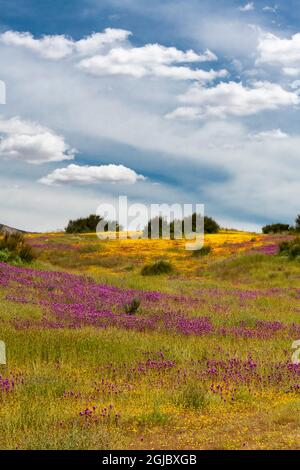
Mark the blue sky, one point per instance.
(163, 101)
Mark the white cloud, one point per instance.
(280, 52)
(291, 71)
(274, 134)
(270, 8)
(92, 174)
(151, 59)
(184, 112)
(59, 46)
(110, 53)
(111, 115)
(234, 99)
(248, 7)
(29, 142)
(50, 47)
(93, 43)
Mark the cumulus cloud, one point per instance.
(29, 142)
(60, 46)
(233, 99)
(50, 47)
(248, 7)
(95, 42)
(110, 53)
(128, 118)
(151, 59)
(280, 52)
(92, 174)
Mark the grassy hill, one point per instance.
(204, 359)
(6, 228)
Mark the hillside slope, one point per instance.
(6, 228)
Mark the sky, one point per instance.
(174, 101)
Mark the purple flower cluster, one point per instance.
(92, 415)
(6, 385)
(194, 326)
(268, 249)
(73, 301)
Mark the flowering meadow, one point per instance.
(203, 362)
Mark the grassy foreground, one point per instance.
(205, 363)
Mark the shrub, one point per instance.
(12, 241)
(276, 228)
(5, 256)
(210, 225)
(26, 253)
(161, 226)
(14, 248)
(157, 268)
(205, 250)
(88, 224)
(290, 249)
(132, 307)
(294, 251)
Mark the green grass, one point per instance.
(53, 362)
(258, 270)
(61, 372)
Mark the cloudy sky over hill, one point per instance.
(163, 101)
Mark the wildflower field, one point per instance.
(203, 362)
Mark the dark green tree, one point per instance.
(275, 228)
(210, 225)
(88, 224)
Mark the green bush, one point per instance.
(132, 307)
(88, 224)
(26, 253)
(276, 228)
(8, 257)
(157, 268)
(210, 225)
(13, 248)
(291, 249)
(5, 256)
(161, 225)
